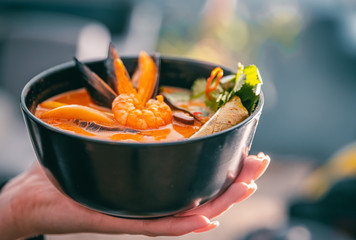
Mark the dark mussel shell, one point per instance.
(110, 68)
(135, 77)
(157, 59)
(99, 91)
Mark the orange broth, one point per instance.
(171, 132)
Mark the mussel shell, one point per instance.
(135, 76)
(112, 77)
(99, 91)
(157, 59)
(110, 68)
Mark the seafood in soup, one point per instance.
(137, 109)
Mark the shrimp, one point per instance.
(154, 114)
(133, 108)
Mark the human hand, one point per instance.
(31, 205)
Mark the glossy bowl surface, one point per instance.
(138, 180)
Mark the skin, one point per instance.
(30, 205)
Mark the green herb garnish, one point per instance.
(246, 84)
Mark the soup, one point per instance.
(137, 109)
(176, 130)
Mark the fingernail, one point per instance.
(260, 155)
(211, 226)
(252, 187)
(262, 167)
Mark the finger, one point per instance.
(178, 225)
(265, 161)
(211, 226)
(166, 226)
(254, 167)
(237, 192)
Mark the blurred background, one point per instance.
(306, 53)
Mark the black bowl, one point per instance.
(138, 180)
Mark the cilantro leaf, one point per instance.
(250, 90)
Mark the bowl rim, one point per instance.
(66, 65)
